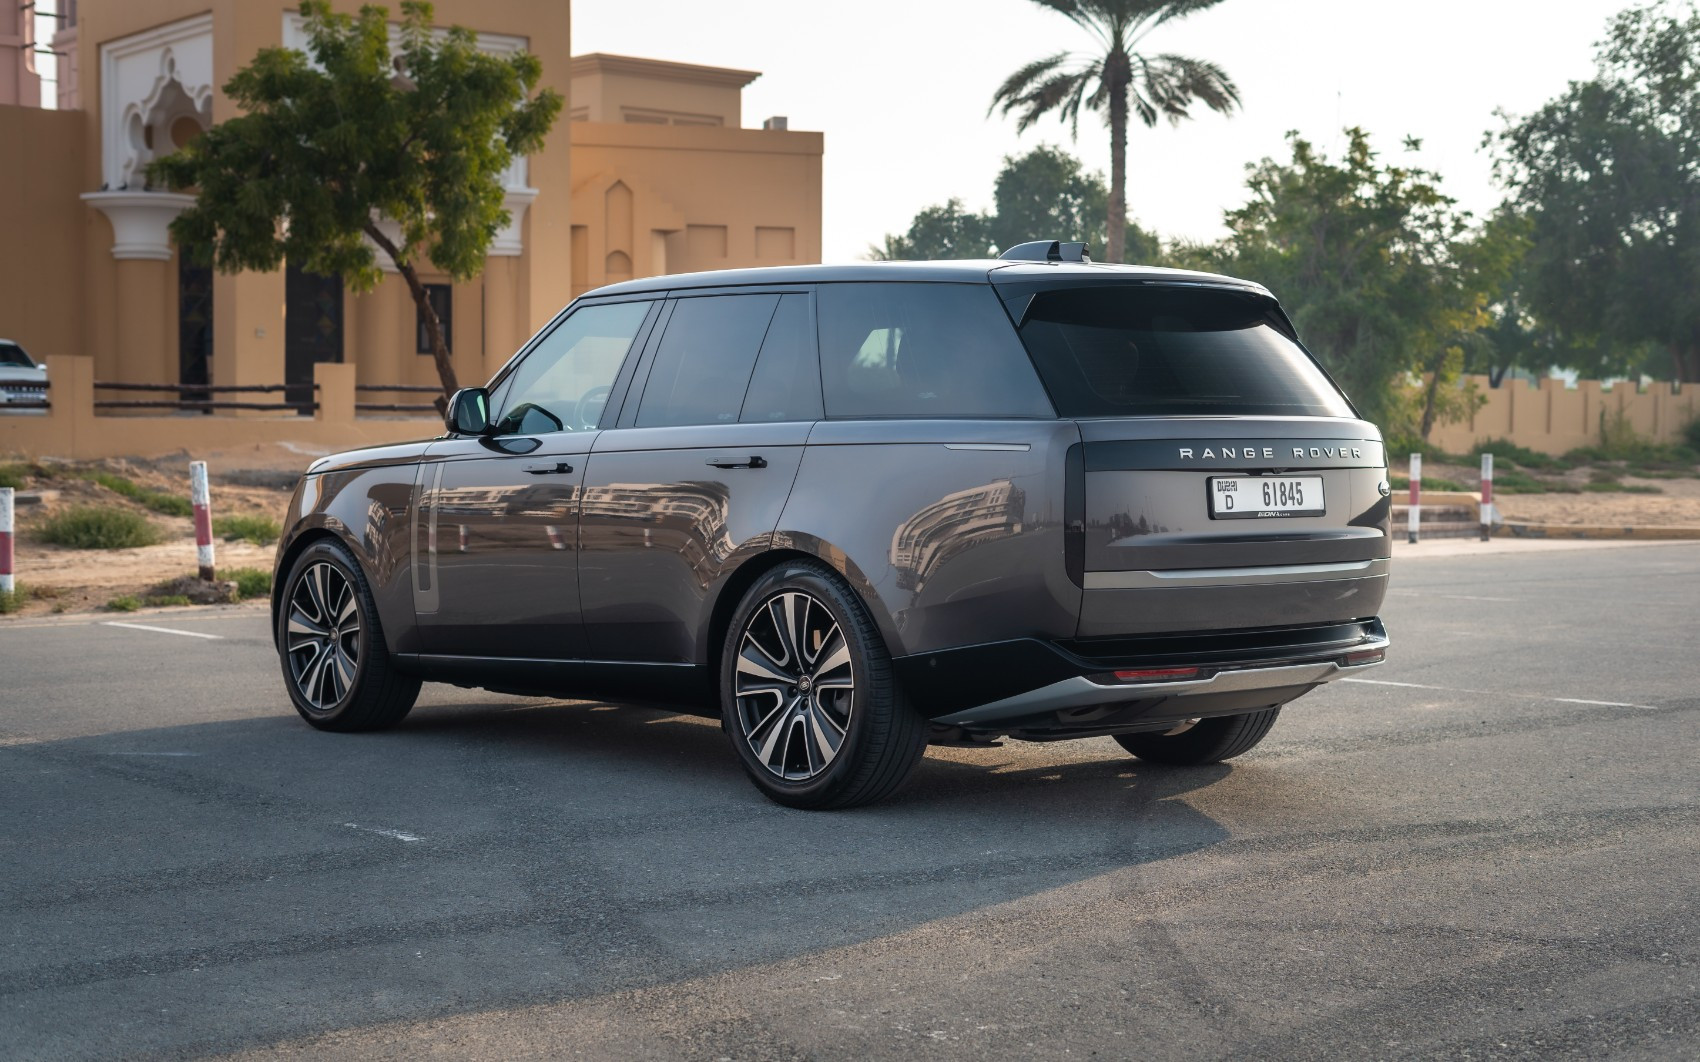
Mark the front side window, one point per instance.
(923, 350)
(564, 381)
(1118, 351)
(702, 367)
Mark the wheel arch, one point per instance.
(789, 547)
(298, 545)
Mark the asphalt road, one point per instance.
(1491, 851)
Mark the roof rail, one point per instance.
(1047, 251)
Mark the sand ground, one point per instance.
(259, 480)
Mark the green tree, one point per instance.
(1116, 78)
(1609, 176)
(1376, 267)
(327, 148)
(1043, 194)
(948, 231)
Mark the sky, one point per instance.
(901, 89)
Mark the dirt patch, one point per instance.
(58, 579)
(1677, 506)
(1677, 503)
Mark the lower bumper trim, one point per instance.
(1081, 692)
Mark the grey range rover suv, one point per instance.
(849, 510)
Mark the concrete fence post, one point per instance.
(1487, 496)
(201, 498)
(1413, 512)
(5, 540)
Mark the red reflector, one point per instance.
(1157, 674)
(1365, 656)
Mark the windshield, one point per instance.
(13, 356)
(1168, 351)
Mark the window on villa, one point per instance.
(441, 298)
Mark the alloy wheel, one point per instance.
(323, 635)
(795, 685)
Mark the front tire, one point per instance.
(808, 697)
(335, 663)
(1210, 741)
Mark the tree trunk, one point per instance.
(1430, 394)
(1117, 73)
(427, 312)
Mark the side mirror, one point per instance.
(468, 412)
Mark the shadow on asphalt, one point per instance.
(543, 851)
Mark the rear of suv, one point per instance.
(855, 509)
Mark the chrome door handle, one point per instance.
(559, 468)
(753, 462)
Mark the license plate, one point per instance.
(1256, 497)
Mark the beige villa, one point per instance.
(651, 170)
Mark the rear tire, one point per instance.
(1211, 741)
(807, 694)
(335, 663)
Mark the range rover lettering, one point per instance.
(851, 510)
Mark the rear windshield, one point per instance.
(1132, 351)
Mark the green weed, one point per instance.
(260, 530)
(124, 603)
(90, 527)
(250, 582)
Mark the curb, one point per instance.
(1519, 529)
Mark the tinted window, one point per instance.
(786, 384)
(1125, 351)
(702, 367)
(923, 350)
(563, 383)
(13, 355)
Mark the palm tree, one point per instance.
(1113, 77)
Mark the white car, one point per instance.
(23, 383)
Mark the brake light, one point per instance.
(1365, 656)
(1157, 674)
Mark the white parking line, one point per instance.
(1500, 693)
(395, 834)
(1452, 597)
(161, 630)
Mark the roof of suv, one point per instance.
(955, 272)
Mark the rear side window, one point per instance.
(702, 367)
(922, 350)
(1131, 351)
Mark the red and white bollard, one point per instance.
(201, 498)
(1413, 512)
(5, 540)
(1487, 496)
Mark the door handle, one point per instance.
(753, 462)
(559, 468)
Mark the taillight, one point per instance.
(1364, 656)
(1158, 674)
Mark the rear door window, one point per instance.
(1112, 351)
(702, 367)
(786, 384)
(922, 350)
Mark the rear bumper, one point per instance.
(1071, 690)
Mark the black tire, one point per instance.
(343, 679)
(1211, 741)
(882, 736)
